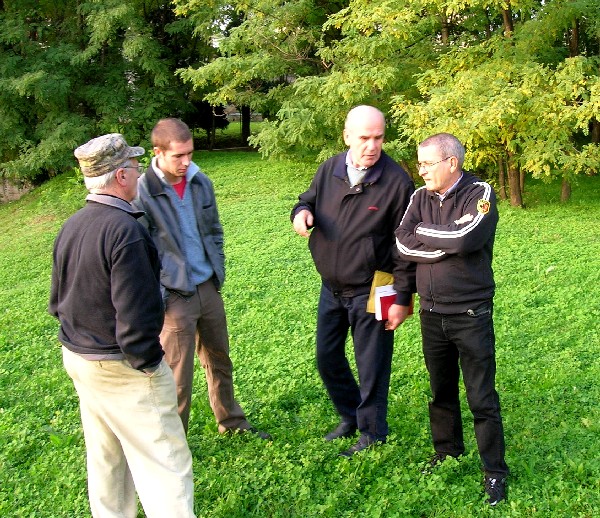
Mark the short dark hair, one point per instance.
(169, 130)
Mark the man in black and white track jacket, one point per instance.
(448, 230)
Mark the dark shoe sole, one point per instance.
(332, 436)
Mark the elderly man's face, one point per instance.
(364, 136)
(437, 171)
(131, 170)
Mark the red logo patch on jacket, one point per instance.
(373, 208)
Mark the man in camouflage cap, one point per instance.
(106, 295)
(104, 154)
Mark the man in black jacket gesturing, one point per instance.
(353, 205)
(448, 230)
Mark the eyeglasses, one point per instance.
(427, 165)
(140, 168)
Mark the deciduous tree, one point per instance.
(501, 75)
(73, 69)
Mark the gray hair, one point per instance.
(102, 182)
(448, 145)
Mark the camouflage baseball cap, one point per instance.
(104, 154)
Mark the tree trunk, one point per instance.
(514, 183)
(595, 131)
(212, 135)
(573, 33)
(445, 30)
(574, 39)
(245, 114)
(488, 25)
(410, 170)
(501, 178)
(565, 191)
(522, 181)
(507, 20)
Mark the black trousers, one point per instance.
(365, 401)
(466, 339)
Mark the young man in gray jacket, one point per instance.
(182, 218)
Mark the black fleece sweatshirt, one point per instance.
(105, 285)
(354, 227)
(454, 260)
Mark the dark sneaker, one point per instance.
(495, 489)
(343, 430)
(433, 462)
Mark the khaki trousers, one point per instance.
(134, 439)
(197, 325)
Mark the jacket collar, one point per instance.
(156, 186)
(113, 201)
(373, 173)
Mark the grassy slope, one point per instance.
(547, 312)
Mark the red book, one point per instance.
(385, 296)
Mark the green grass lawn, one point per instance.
(547, 267)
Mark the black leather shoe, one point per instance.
(435, 461)
(344, 429)
(363, 443)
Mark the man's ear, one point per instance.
(120, 175)
(345, 135)
(453, 164)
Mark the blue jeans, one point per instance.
(466, 339)
(373, 346)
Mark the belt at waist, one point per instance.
(348, 292)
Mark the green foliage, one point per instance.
(264, 45)
(72, 70)
(547, 342)
(500, 100)
(517, 81)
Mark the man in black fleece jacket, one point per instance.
(448, 230)
(353, 205)
(106, 294)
